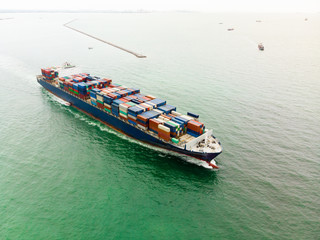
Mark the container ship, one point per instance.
(143, 117)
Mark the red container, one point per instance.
(134, 97)
(124, 100)
(100, 105)
(195, 126)
(165, 116)
(148, 107)
(133, 120)
(164, 135)
(142, 118)
(153, 124)
(123, 118)
(112, 95)
(108, 81)
(146, 98)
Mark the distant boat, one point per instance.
(230, 29)
(260, 46)
(67, 65)
(220, 23)
(258, 21)
(306, 19)
(90, 48)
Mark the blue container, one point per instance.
(178, 121)
(167, 108)
(95, 90)
(150, 114)
(135, 101)
(89, 78)
(193, 114)
(93, 95)
(134, 123)
(158, 102)
(184, 120)
(193, 133)
(140, 121)
(172, 128)
(117, 102)
(75, 86)
(94, 103)
(117, 94)
(134, 111)
(135, 90)
(82, 86)
(107, 99)
(153, 130)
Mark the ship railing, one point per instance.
(190, 145)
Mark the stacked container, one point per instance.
(133, 113)
(154, 124)
(167, 108)
(123, 109)
(49, 73)
(115, 107)
(175, 128)
(143, 118)
(93, 96)
(164, 132)
(195, 128)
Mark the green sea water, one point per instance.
(64, 175)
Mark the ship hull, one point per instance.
(120, 125)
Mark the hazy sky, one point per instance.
(193, 5)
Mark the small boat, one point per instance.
(67, 65)
(230, 29)
(90, 48)
(306, 19)
(258, 20)
(260, 46)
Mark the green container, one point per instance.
(107, 110)
(174, 140)
(99, 101)
(123, 113)
(131, 104)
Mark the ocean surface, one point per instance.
(64, 175)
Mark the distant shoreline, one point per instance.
(141, 11)
(91, 11)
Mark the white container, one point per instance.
(158, 111)
(100, 98)
(163, 119)
(150, 96)
(187, 117)
(107, 105)
(151, 107)
(176, 113)
(142, 127)
(132, 117)
(122, 115)
(160, 120)
(164, 128)
(123, 108)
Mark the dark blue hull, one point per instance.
(119, 124)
